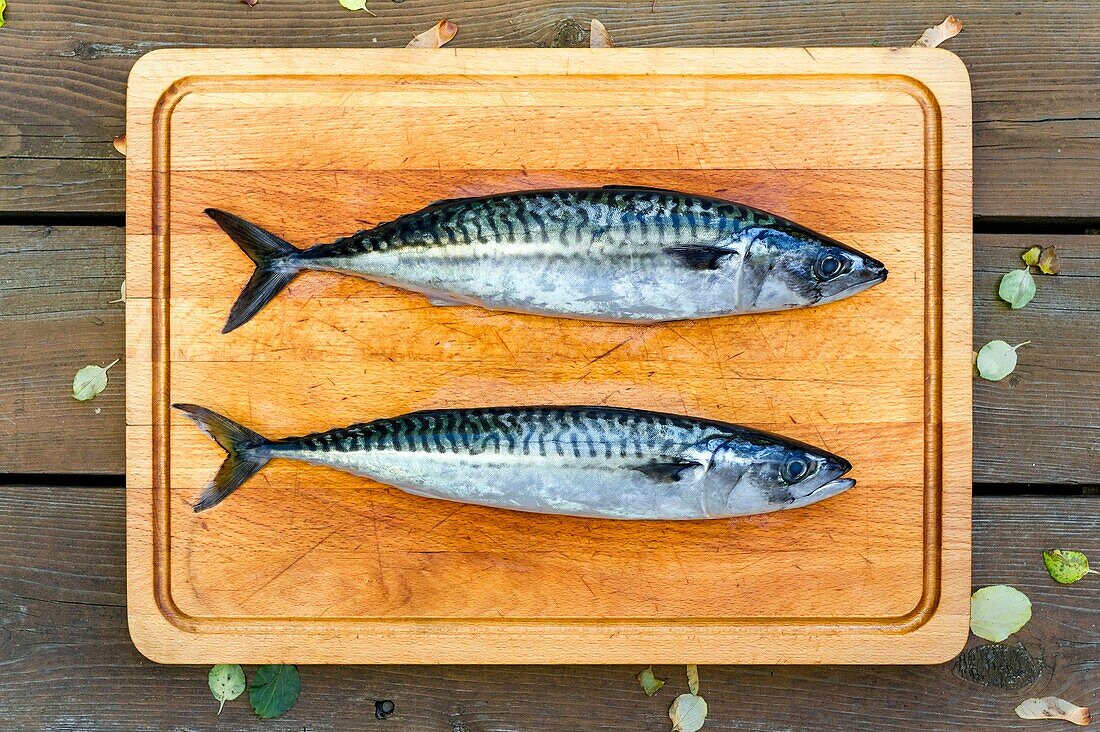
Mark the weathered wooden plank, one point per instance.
(55, 284)
(69, 663)
(1038, 426)
(1034, 72)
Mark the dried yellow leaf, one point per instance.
(693, 678)
(1048, 261)
(937, 34)
(436, 36)
(599, 38)
(1051, 707)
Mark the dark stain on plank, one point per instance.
(91, 51)
(1010, 666)
(568, 33)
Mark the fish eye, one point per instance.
(795, 470)
(828, 267)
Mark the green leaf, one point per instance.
(90, 380)
(1065, 566)
(1017, 288)
(997, 360)
(226, 682)
(354, 4)
(997, 612)
(275, 688)
(1031, 256)
(3, 6)
(650, 683)
(688, 713)
(693, 678)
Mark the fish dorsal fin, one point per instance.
(442, 202)
(667, 471)
(648, 189)
(700, 256)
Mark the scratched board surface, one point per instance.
(871, 149)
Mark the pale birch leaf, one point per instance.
(226, 681)
(997, 360)
(688, 713)
(90, 381)
(1017, 288)
(650, 683)
(998, 611)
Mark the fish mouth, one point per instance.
(875, 272)
(877, 278)
(872, 279)
(832, 488)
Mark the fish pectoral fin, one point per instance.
(700, 256)
(443, 302)
(668, 471)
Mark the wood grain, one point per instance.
(889, 586)
(1034, 71)
(55, 318)
(70, 664)
(1055, 383)
(1036, 428)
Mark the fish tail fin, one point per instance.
(276, 265)
(240, 464)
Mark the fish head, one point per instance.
(774, 475)
(790, 266)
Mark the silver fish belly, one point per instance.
(595, 462)
(611, 254)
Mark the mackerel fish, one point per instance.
(589, 461)
(616, 254)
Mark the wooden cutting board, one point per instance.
(309, 565)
